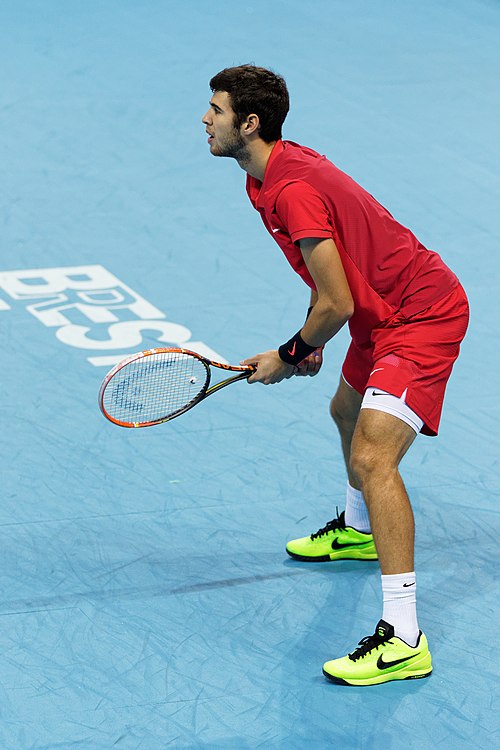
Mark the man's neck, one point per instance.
(256, 158)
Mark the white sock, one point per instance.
(400, 605)
(356, 512)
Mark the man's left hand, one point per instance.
(311, 365)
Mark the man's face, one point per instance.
(224, 138)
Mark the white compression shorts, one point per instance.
(374, 398)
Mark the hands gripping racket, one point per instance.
(157, 385)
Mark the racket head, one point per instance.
(153, 386)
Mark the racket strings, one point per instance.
(155, 387)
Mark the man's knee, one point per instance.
(335, 410)
(379, 443)
(343, 418)
(344, 407)
(365, 460)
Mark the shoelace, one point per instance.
(333, 525)
(368, 644)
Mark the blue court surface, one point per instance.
(146, 598)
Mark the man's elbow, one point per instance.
(348, 310)
(335, 312)
(342, 310)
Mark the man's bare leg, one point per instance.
(344, 409)
(334, 541)
(397, 650)
(379, 443)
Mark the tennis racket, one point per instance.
(157, 385)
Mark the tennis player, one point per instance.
(407, 315)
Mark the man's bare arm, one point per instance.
(333, 303)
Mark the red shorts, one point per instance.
(414, 354)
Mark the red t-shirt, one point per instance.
(387, 268)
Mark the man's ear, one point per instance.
(251, 125)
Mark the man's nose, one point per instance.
(205, 119)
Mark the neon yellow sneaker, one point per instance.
(381, 657)
(335, 541)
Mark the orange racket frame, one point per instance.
(205, 390)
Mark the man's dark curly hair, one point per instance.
(258, 91)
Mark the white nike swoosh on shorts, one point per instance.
(377, 370)
(275, 230)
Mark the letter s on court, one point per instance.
(125, 335)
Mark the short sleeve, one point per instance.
(302, 212)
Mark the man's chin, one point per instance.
(215, 151)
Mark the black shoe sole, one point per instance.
(340, 681)
(322, 558)
(326, 558)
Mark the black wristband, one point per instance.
(295, 350)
